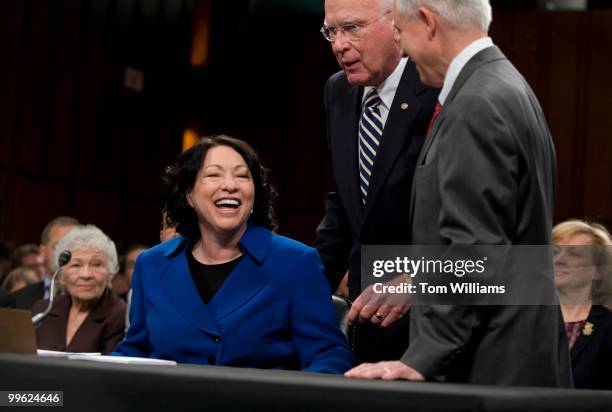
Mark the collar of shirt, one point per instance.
(386, 90)
(459, 63)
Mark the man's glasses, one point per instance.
(352, 30)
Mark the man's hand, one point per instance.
(381, 309)
(389, 370)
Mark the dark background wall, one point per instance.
(74, 140)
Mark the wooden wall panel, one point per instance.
(70, 121)
(565, 104)
(34, 85)
(33, 202)
(65, 77)
(140, 222)
(596, 135)
(10, 22)
(88, 204)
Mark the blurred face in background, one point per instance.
(55, 235)
(36, 262)
(86, 276)
(130, 261)
(167, 232)
(575, 267)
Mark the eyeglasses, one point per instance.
(352, 30)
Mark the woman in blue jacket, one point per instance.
(229, 291)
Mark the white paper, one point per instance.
(58, 354)
(129, 360)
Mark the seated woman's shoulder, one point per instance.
(164, 249)
(288, 244)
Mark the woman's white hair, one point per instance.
(89, 237)
(461, 14)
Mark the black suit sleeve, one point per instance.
(7, 300)
(333, 237)
(333, 241)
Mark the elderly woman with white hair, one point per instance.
(89, 317)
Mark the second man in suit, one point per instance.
(484, 177)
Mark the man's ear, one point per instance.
(431, 21)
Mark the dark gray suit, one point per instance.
(348, 224)
(486, 176)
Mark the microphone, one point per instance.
(62, 260)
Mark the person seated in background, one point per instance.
(89, 317)
(582, 261)
(229, 291)
(29, 256)
(19, 278)
(167, 231)
(51, 235)
(123, 281)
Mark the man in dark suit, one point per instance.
(485, 176)
(51, 235)
(377, 117)
(6, 300)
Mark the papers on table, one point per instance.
(122, 359)
(58, 354)
(98, 357)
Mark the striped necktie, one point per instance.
(370, 133)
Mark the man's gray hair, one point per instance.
(461, 14)
(385, 5)
(89, 237)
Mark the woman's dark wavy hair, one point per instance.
(179, 179)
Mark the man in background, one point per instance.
(29, 256)
(51, 235)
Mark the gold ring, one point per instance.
(378, 316)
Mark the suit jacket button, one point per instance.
(217, 339)
(212, 360)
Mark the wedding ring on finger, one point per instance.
(387, 369)
(378, 316)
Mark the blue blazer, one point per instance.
(273, 311)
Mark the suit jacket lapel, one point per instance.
(484, 56)
(91, 326)
(244, 282)
(346, 150)
(397, 132)
(177, 283)
(247, 279)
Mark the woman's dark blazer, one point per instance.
(274, 311)
(592, 352)
(101, 330)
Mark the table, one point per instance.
(90, 386)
